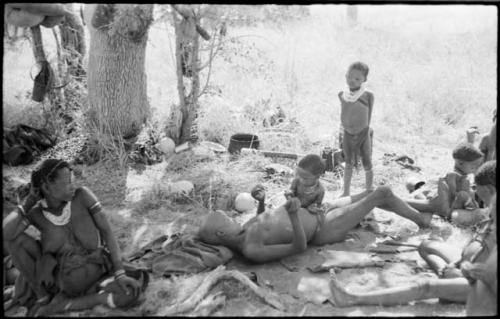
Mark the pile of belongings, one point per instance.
(22, 143)
(33, 14)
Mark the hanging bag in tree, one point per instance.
(41, 82)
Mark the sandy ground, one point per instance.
(138, 216)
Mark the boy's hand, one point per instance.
(315, 209)
(292, 205)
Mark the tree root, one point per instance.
(215, 276)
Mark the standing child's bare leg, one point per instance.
(347, 179)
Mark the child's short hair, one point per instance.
(313, 164)
(361, 67)
(467, 152)
(486, 174)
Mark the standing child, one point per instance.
(356, 112)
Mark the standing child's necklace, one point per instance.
(349, 96)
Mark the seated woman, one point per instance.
(479, 265)
(72, 267)
(287, 230)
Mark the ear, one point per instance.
(220, 233)
(44, 188)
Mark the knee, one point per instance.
(423, 248)
(367, 163)
(19, 243)
(384, 191)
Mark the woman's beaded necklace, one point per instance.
(60, 220)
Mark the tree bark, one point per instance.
(117, 88)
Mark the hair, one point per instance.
(466, 152)
(47, 171)
(361, 67)
(313, 164)
(486, 174)
(211, 222)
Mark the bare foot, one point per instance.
(426, 218)
(441, 203)
(340, 296)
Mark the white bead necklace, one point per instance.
(60, 220)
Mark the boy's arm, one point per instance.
(321, 195)
(293, 188)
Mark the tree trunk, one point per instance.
(117, 87)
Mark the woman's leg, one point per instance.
(438, 254)
(455, 289)
(25, 251)
(61, 303)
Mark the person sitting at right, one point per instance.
(488, 144)
(467, 158)
(452, 284)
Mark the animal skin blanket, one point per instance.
(181, 254)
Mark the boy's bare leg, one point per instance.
(439, 204)
(455, 289)
(347, 180)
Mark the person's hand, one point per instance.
(128, 285)
(472, 271)
(292, 205)
(34, 196)
(314, 209)
(258, 192)
(451, 272)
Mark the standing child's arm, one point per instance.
(371, 100)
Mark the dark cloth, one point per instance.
(22, 142)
